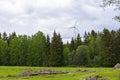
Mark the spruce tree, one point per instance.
(72, 45)
(105, 48)
(0, 36)
(47, 51)
(4, 36)
(116, 47)
(78, 41)
(56, 51)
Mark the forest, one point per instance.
(96, 49)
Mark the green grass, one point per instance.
(8, 73)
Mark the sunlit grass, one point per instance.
(9, 73)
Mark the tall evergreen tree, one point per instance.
(56, 51)
(11, 36)
(86, 38)
(47, 51)
(72, 45)
(94, 34)
(105, 48)
(116, 47)
(4, 36)
(0, 36)
(78, 41)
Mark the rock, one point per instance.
(117, 66)
(104, 79)
(41, 72)
(85, 71)
(92, 71)
(91, 78)
(27, 73)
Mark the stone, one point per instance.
(104, 79)
(117, 66)
(91, 78)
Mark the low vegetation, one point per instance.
(76, 73)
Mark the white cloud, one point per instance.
(11, 6)
(27, 17)
(49, 3)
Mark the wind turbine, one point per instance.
(74, 27)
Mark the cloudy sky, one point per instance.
(30, 16)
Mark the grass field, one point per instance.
(9, 73)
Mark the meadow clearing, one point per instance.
(10, 73)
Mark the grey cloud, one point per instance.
(33, 18)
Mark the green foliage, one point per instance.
(23, 49)
(37, 50)
(115, 47)
(66, 52)
(72, 45)
(106, 55)
(97, 49)
(19, 50)
(71, 58)
(77, 41)
(4, 56)
(5, 36)
(82, 56)
(56, 51)
(97, 61)
(14, 51)
(46, 57)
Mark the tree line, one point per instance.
(94, 49)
